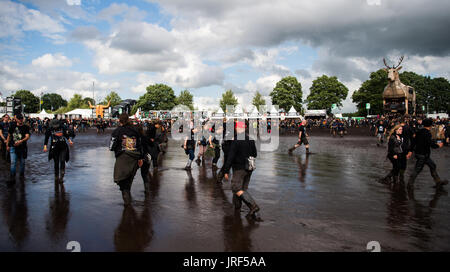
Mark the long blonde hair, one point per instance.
(394, 129)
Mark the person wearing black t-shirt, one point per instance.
(59, 150)
(127, 147)
(189, 148)
(4, 128)
(381, 132)
(301, 138)
(18, 135)
(238, 159)
(421, 146)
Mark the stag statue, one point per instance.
(398, 97)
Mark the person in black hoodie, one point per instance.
(153, 144)
(421, 146)
(238, 155)
(398, 151)
(147, 158)
(59, 150)
(127, 147)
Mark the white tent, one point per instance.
(84, 113)
(322, 113)
(42, 115)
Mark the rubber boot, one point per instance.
(307, 151)
(188, 165)
(437, 179)
(61, 176)
(387, 179)
(237, 202)
(291, 150)
(402, 177)
(250, 202)
(126, 195)
(220, 176)
(395, 180)
(411, 181)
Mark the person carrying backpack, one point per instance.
(59, 135)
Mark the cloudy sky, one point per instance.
(209, 46)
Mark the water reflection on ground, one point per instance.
(326, 201)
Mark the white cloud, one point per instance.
(121, 10)
(73, 2)
(16, 18)
(52, 61)
(264, 85)
(63, 81)
(374, 2)
(144, 81)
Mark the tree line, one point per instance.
(432, 93)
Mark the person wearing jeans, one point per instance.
(17, 156)
(18, 135)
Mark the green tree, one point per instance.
(28, 99)
(75, 102)
(53, 101)
(421, 85)
(371, 91)
(288, 93)
(326, 91)
(440, 91)
(185, 98)
(258, 100)
(113, 97)
(158, 97)
(228, 98)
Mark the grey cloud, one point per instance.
(208, 77)
(303, 73)
(54, 7)
(236, 89)
(142, 38)
(340, 67)
(84, 33)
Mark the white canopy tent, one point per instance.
(42, 115)
(316, 113)
(84, 113)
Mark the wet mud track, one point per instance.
(327, 201)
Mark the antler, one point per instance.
(386, 64)
(401, 59)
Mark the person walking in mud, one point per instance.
(398, 152)
(380, 132)
(302, 138)
(214, 144)
(18, 135)
(59, 135)
(127, 147)
(421, 146)
(4, 128)
(202, 146)
(241, 159)
(146, 143)
(153, 145)
(189, 148)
